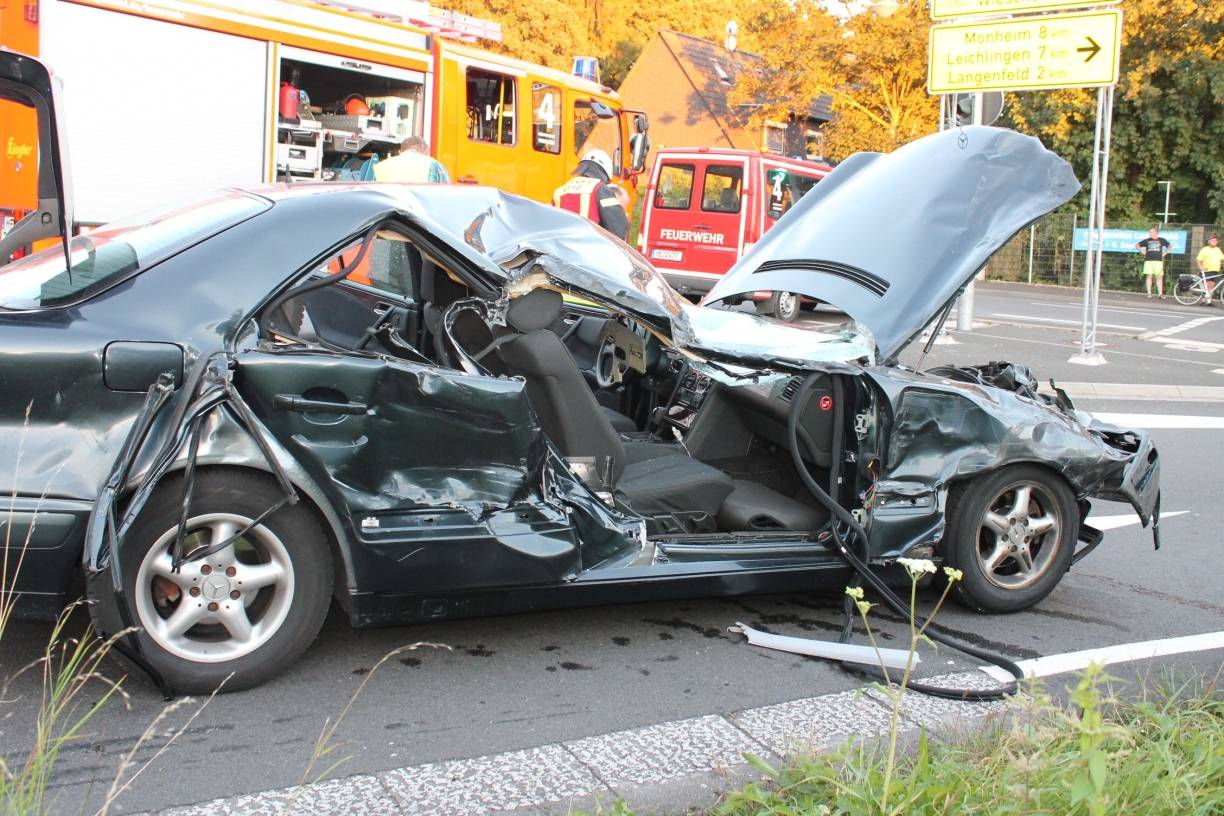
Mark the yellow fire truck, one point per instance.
(170, 98)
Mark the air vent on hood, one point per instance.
(788, 390)
(872, 283)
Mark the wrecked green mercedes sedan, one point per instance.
(433, 402)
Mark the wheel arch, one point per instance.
(955, 488)
(310, 497)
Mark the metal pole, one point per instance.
(1087, 354)
(1104, 189)
(1071, 271)
(1168, 191)
(964, 307)
(1032, 240)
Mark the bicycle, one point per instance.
(1192, 289)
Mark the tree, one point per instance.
(1167, 121)
(615, 31)
(546, 32)
(872, 67)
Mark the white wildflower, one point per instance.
(917, 567)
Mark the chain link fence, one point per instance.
(1046, 253)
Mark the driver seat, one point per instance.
(669, 483)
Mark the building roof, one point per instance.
(712, 70)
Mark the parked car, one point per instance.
(233, 410)
(705, 207)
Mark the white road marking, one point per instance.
(1163, 421)
(1179, 328)
(1122, 653)
(1217, 371)
(1187, 341)
(1119, 309)
(1112, 352)
(1104, 523)
(1068, 322)
(1188, 347)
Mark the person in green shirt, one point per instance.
(1209, 259)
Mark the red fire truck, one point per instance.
(705, 207)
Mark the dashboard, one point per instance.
(759, 409)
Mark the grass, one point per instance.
(1161, 754)
(1102, 755)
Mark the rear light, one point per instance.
(642, 244)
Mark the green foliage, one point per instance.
(1168, 123)
(1163, 755)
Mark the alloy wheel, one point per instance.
(1018, 536)
(221, 607)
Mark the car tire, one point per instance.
(277, 579)
(785, 306)
(1012, 553)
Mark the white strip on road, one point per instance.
(1104, 523)
(1179, 328)
(1150, 421)
(1122, 653)
(1059, 320)
(1120, 309)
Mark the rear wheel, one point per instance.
(1012, 533)
(1187, 290)
(249, 609)
(784, 306)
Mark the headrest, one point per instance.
(437, 287)
(538, 309)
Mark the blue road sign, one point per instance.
(1122, 240)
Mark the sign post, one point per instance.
(987, 47)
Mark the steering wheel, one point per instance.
(605, 363)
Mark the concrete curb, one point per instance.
(669, 767)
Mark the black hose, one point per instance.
(859, 565)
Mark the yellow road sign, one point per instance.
(1032, 53)
(943, 9)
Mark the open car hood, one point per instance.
(891, 239)
(524, 244)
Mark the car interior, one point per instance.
(691, 455)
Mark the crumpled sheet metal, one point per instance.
(942, 205)
(735, 344)
(944, 430)
(521, 239)
(430, 438)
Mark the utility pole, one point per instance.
(1168, 191)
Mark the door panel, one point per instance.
(438, 472)
(719, 212)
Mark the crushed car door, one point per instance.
(438, 474)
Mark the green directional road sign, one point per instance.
(944, 9)
(1030, 53)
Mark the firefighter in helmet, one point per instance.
(590, 194)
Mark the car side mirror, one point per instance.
(640, 143)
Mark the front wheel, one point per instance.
(784, 306)
(249, 609)
(1187, 290)
(1012, 533)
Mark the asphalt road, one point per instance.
(527, 680)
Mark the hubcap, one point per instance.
(786, 303)
(1018, 536)
(216, 608)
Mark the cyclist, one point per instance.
(1209, 260)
